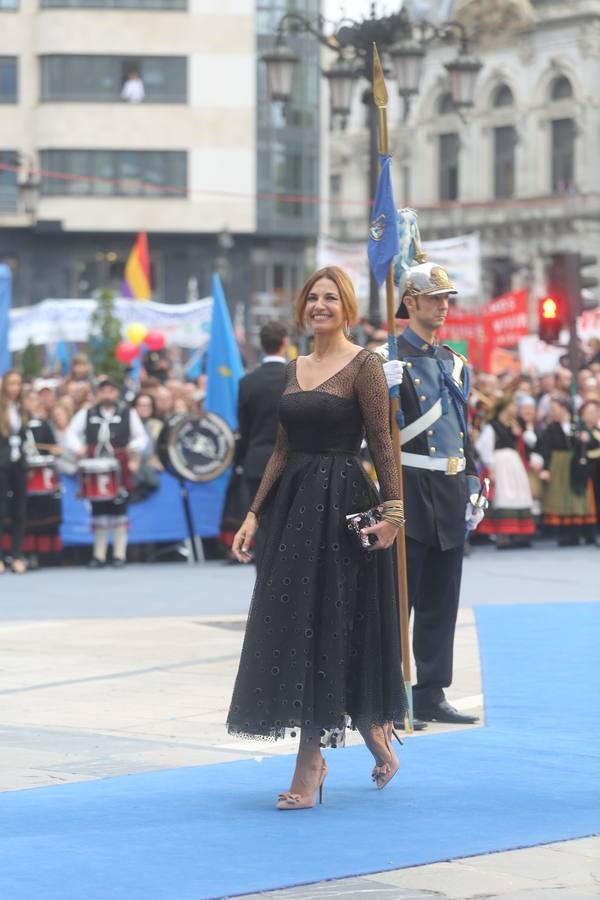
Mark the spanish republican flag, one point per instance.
(137, 270)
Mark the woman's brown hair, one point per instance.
(345, 290)
(4, 419)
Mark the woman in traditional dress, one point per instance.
(322, 644)
(44, 511)
(13, 470)
(500, 449)
(565, 508)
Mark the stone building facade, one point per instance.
(520, 167)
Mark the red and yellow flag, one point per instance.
(137, 270)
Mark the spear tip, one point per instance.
(380, 94)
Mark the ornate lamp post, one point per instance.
(353, 42)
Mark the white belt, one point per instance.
(421, 424)
(450, 465)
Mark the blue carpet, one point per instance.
(529, 777)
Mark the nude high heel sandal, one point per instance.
(288, 800)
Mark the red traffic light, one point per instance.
(549, 308)
(551, 319)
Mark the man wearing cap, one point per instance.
(111, 428)
(439, 478)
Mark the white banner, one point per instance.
(184, 325)
(460, 256)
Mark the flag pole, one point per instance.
(380, 97)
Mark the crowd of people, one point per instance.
(536, 436)
(47, 429)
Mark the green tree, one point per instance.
(105, 334)
(31, 361)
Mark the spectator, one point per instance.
(163, 403)
(500, 448)
(60, 417)
(565, 508)
(133, 88)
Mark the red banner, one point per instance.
(499, 323)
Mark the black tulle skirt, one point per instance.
(322, 644)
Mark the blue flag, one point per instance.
(5, 303)
(383, 233)
(224, 363)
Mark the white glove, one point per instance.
(393, 370)
(473, 516)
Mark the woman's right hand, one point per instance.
(243, 539)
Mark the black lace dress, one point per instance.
(322, 644)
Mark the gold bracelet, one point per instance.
(396, 520)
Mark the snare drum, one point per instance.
(99, 478)
(42, 476)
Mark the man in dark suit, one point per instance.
(258, 401)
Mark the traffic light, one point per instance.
(551, 319)
(586, 282)
(567, 281)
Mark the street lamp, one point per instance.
(353, 42)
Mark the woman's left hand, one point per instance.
(385, 533)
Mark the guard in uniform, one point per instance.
(110, 424)
(439, 479)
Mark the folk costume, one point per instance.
(510, 514)
(44, 511)
(322, 644)
(13, 484)
(568, 504)
(439, 478)
(113, 430)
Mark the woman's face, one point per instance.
(12, 385)
(558, 413)
(144, 407)
(60, 417)
(323, 310)
(31, 403)
(591, 415)
(527, 413)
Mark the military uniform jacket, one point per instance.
(435, 502)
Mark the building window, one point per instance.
(114, 173)
(503, 96)
(9, 191)
(8, 79)
(504, 161)
(168, 5)
(446, 104)
(563, 156)
(9, 4)
(105, 270)
(499, 271)
(448, 166)
(561, 88)
(101, 78)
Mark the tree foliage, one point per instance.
(105, 334)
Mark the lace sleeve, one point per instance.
(273, 470)
(373, 398)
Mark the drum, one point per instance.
(196, 447)
(42, 476)
(99, 478)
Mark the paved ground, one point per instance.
(125, 671)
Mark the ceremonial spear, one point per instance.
(380, 98)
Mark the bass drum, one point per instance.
(196, 447)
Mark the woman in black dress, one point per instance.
(322, 644)
(13, 469)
